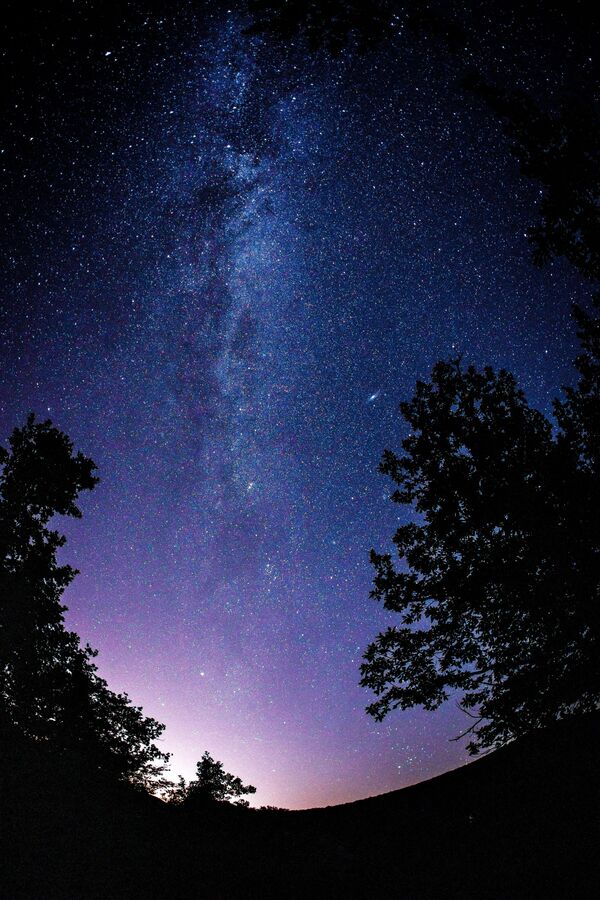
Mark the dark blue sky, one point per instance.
(225, 266)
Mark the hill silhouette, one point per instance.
(520, 822)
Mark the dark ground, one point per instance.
(522, 822)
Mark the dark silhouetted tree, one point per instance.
(49, 686)
(336, 26)
(212, 784)
(328, 24)
(561, 151)
(40, 477)
(498, 588)
(558, 148)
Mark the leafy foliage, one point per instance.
(557, 148)
(498, 591)
(329, 24)
(561, 151)
(49, 686)
(212, 784)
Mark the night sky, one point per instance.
(224, 265)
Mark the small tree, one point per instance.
(49, 686)
(498, 591)
(212, 784)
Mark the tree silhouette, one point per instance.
(498, 590)
(212, 784)
(561, 151)
(49, 686)
(40, 478)
(329, 24)
(558, 148)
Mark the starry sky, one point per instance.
(225, 262)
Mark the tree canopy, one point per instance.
(557, 147)
(498, 586)
(49, 686)
(330, 24)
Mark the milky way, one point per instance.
(227, 264)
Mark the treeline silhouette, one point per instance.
(518, 823)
